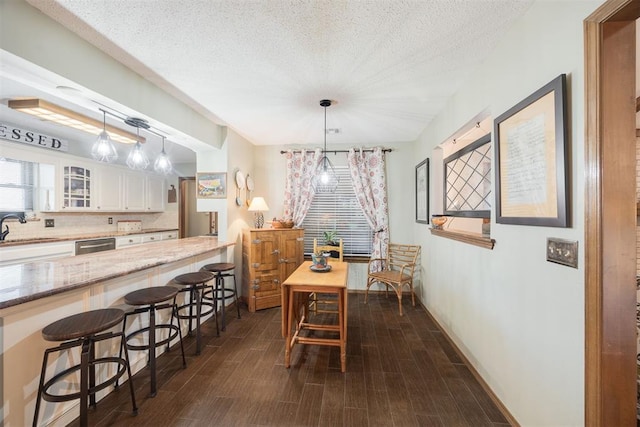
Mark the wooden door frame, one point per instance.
(182, 218)
(610, 215)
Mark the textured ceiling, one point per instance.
(261, 66)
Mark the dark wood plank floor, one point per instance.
(401, 371)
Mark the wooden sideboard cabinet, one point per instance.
(269, 256)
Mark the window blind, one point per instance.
(17, 179)
(341, 212)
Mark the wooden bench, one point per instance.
(396, 271)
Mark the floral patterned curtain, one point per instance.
(370, 184)
(298, 192)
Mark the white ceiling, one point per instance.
(262, 66)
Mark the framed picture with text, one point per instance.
(422, 192)
(531, 145)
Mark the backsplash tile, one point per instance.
(86, 223)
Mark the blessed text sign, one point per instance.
(16, 134)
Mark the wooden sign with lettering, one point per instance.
(16, 134)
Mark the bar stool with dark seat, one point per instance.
(84, 330)
(151, 300)
(220, 292)
(196, 285)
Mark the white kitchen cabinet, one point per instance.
(77, 185)
(170, 235)
(125, 241)
(109, 189)
(134, 192)
(155, 193)
(35, 252)
(151, 237)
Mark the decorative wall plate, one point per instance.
(250, 185)
(240, 180)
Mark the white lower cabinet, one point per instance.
(124, 241)
(170, 235)
(138, 239)
(36, 252)
(151, 237)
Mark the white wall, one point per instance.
(518, 318)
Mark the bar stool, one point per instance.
(196, 285)
(220, 292)
(84, 330)
(150, 300)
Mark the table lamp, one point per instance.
(258, 205)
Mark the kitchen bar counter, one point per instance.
(32, 295)
(17, 242)
(27, 282)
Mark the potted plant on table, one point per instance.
(331, 239)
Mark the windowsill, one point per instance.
(464, 237)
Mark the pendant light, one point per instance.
(162, 163)
(325, 179)
(103, 149)
(137, 159)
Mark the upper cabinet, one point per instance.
(134, 192)
(67, 183)
(77, 186)
(109, 186)
(155, 193)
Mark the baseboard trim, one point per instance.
(503, 409)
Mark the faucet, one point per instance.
(20, 218)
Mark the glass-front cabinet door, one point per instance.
(76, 187)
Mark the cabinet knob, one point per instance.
(275, 252)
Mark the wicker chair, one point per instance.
(396, 271)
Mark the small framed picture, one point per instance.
(211, 185)
(422, 192)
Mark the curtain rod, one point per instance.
(369, 150)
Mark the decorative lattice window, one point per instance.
(468, 180)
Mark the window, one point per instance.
(339, 211)
(17, 179)
(468, 180)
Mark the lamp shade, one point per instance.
(258, 204)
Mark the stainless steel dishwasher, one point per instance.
(95, 245)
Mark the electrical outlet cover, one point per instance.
(562, 251)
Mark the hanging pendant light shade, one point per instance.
(325, 179)
(137, 159)
(162, 163)
(103, 149)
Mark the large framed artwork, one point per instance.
(422, 192)
(531, 146)
(211, 185)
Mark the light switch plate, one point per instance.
(562, 251)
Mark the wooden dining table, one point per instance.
(295, 308)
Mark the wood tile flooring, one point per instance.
(401, 371)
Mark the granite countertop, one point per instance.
(18, 242)
(30, 281)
